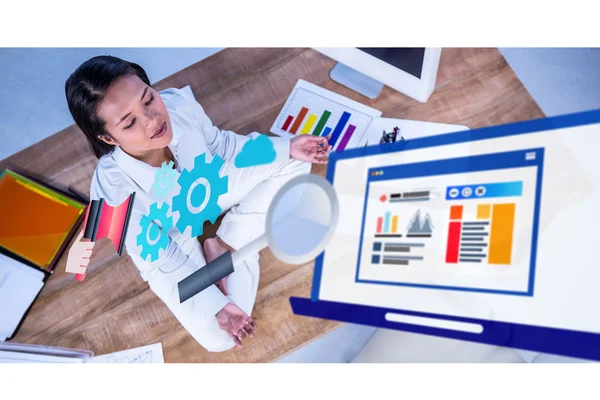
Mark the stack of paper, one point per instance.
(21, 353)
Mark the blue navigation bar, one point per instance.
(484, 190)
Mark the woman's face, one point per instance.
(135, 116)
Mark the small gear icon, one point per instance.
(154, 237)
(164, 179)
(201, 188)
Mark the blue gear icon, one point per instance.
(164, 180)
(154, 237)
(201, 188)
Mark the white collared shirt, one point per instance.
(118, 175)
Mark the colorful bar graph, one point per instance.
(287, 123)
(299, 120)
(394, 224)
(337, 131)
(456, 212)
(386, 224)
(379, 225)
(483, 211)
(326, 132)
(453, 243)
(346, 138)
(321, 123)
(309, 124)
(501, 233)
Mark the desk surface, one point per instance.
(241, 90)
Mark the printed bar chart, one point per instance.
(321, 123)
(299, 120)
(346, 138)
(337, 131)
(287, 123)
(309, 124)
(312, 110)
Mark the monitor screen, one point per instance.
(471, 228)
(409, 59)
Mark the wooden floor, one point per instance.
(241, 90)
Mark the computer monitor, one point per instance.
(411, 71)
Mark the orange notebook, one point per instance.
(36, 221)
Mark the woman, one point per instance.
(133, 130)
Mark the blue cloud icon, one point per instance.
(256, 151)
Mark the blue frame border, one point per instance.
(484, 162)
(571, 343)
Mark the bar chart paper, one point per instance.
(312, 110)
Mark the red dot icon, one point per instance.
(383, 198)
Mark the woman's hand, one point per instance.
(236, 323)
(314, 149)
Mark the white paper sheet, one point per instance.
(15, 357)
(346, 122)
(151, 354)
(19, 284)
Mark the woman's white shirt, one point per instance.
(118, 175)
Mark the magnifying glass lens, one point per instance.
(302, 217)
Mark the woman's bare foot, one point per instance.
(213, 248)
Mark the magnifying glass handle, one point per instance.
(248, 250)
(217, 269)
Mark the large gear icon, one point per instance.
(164, 180)
(201, 188)
(154, 237)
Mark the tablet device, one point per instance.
(487, 235)
(36, 220)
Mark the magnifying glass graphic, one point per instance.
(300, 223)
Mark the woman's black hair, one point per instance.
(85, 89)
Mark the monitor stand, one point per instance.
(356, 81)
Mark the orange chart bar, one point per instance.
(299, 120)
(501, 233)
(395, 224)
(456, 212)
(483, 211)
